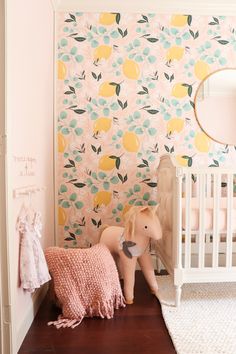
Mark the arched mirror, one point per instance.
(215, 106)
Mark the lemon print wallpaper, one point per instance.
(125, 95)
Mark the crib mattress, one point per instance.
(194, 214)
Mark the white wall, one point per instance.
(30, 58)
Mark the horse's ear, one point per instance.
(129, 226)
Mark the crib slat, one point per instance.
(209, 194)
(229, 220)
(216, 205)
(177, 220)
(202, 194)
(188, 190)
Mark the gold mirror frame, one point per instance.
(195, 100)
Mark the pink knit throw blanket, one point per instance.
(86, 283)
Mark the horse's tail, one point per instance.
(104, 227)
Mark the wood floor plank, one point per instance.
(136, 329)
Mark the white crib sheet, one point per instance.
(166, 216)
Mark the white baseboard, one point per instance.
(34, 305)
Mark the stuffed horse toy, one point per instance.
(130, 244)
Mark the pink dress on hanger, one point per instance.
(33, 267)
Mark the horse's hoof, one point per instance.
(129, 302)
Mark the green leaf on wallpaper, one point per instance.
(114, 106)
(146, 196)
(117, 89)
(79, 58)
(152, 131)
(65, 204)
(78, 131)
(102, 30)
(146, 123)
(222, 61)
(114, 180)
(73, 123)
(94, 222)
(102, 102)
(152, 184)
(117, 163)
(94, 189)
(120, 207)
(106, 39)
(152, 202)
(151, 158)
(132, 201)
(137, 188)
(189, 20)
(73, 197)
(63, 188)
(222, 41)
(65, 131)
(192, 104)
(118, 18)
(64, 42)
(146, 51)
(73, 50)
(63, 115)
(79, 205)
(139, 58)
(179, 112)
(65, 58)
(72, 17)
(78, 158)
(152, 39)
(106, 185)
(152, 111)
(94, 175)
(80, 39)
(79, 111)
(102, 175)
(114, 34)
(106, 112)
(139, 131)
(187, 106)
(78, 232)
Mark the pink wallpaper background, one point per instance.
(125, 96)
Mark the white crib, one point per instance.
(198, 216)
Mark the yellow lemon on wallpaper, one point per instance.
(202, 142)
(61, 70)
(61, 216)
(131, 69)
(102, 124)
(102, 198)
(175, 125)
(179, 90)
(61, 142)
(131, 142)
(107, 18)
(126, 209)
(106, 163)
(179, 20)
(181, 161)
(175, 53)
(102, 52)
(201, 69)
(106, 89)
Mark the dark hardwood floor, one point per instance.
(136, 329)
